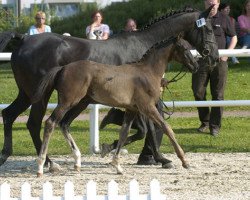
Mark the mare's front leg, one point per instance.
(153, 113)
(139, 124)
(128, 120)
(9, 114)
(153, 142)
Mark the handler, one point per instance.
(217, 75)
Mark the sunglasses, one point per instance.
(40, 17)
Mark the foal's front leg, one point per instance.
(157, 118)
(128, 120)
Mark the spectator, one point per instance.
(131, 25)
(97, 30)
(225, 9)
(40, 26)
(244, 22)
(217, 75)
(116, 116)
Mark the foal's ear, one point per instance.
(205, 14)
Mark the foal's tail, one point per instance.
(47, 84)
(6, 37)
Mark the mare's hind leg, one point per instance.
(34, 124)
(128, 120)
(138, 123)
(153, 113)
(9, 114)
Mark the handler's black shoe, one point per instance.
(214, 132)
(108, 119)
(146, 160)
(202, 128)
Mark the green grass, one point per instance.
(234, 137)
(238, 87)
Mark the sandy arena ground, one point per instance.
(211, 176)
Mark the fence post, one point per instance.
(155, 191)
(112, 190)
(26, 191)
(133, 190)
(47, 191)
(69, 191)
(94, 129)
(5, 191)
(91, 190)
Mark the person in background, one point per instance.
(225, 9)
(116, 116)
(244, 23)
(40, 26)
(216, 75)
(97, 30)
(130, 25)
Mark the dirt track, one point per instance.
(211, 176)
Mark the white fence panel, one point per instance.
(91, 192)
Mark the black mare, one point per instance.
(37, 54)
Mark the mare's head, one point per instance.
(202, 38)
(182, 54)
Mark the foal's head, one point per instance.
(182, 54)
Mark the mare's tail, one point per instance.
(6, 37)
(47, 84)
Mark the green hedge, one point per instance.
(115, 15)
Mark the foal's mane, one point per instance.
(158, 45)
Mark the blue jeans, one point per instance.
(228, 40)
(245, 41)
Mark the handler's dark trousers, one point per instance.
(217, 77)
(158, 131)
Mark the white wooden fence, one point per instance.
(91, 192)
(94, 113)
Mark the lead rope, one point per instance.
(174, 79)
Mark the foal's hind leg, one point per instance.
(9, 114)
(128, 120)
(157, 118)
(50, 124)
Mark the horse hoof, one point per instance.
(77, 168)
(54, 168)
(167, 165)
(186, 165)
(119, 170)
(39, 175)
(104, 150)
(3, 158)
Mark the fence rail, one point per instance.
(222, 52)
(91, 192)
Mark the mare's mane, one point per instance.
(167, 15)
(172, 13)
